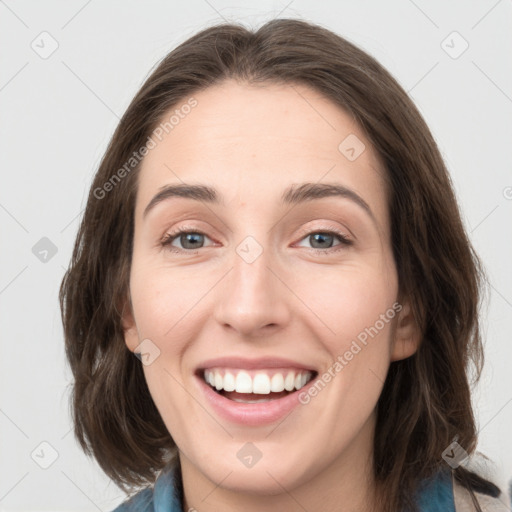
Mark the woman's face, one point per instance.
(282, 285)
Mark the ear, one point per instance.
(131, 333)
(407, 336)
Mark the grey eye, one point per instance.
(191, 240)
(322, 239)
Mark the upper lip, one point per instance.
(253, 364)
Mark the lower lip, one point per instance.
(259, 413)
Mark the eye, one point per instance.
(322, 241)
(190, 240)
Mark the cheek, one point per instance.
(355, 315)
(348, 301)
(163, 303)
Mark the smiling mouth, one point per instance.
(256, 386)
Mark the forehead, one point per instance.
(254, 141)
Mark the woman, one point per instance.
(273, 372)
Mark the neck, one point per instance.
(346, 484)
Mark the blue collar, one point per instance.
(165, 494)
(162, 498)
(436, 493)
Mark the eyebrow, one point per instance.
(295, 194)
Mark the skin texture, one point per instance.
(251, 143)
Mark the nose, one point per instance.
(253, 299)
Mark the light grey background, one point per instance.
(57, 114)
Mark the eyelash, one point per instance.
(170, 237)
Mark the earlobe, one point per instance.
(131, 334)
(407, 334)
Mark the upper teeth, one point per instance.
(260, 382)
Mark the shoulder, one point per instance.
(141, 502)
(443, 492)
(163, 497)
(464, 502)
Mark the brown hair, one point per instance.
(426, 401)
